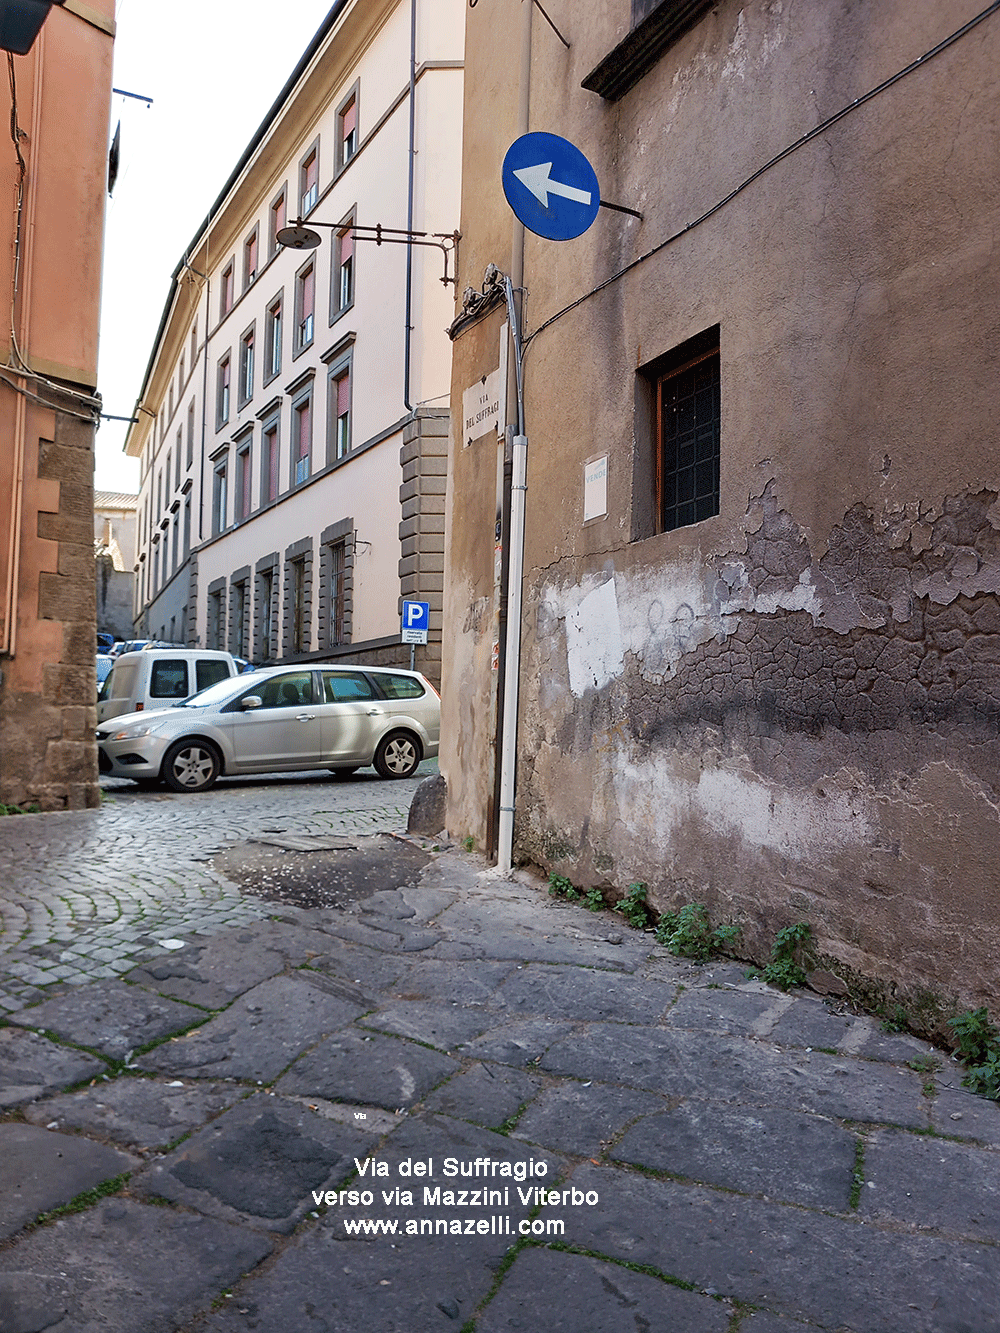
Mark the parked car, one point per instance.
(105, 642)
(104, 665)
(280, 719)
(159, 677)
(128, 646)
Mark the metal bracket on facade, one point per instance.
(445, 241)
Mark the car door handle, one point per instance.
(375, 712)
(305, 717)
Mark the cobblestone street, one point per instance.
(85, 895)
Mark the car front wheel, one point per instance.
(191, 766)
(397, 756)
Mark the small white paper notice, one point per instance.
(595, 488)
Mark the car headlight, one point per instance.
(133, 733)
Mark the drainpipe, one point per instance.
(513, 558)
(512, 656)
(407, 332)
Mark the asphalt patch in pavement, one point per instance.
(306, 872)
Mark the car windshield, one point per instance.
(219, 693)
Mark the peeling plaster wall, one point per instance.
(791, 710)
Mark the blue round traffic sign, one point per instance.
(551, 186)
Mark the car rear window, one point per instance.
(169, 679)
(122, 679)
(401, 687)
(211, 672)
(342, 687)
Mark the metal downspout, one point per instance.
(407, 330)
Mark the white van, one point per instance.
(159, 677)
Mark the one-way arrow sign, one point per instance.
(551, 186)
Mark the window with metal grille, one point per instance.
(688, 441)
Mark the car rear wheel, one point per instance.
(398, 755)
(191, 766)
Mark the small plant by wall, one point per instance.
(979, 1046)
(688, 933)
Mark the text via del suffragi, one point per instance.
(479, 1196)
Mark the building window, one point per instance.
(298, 606)
(189, 460)
(170, 398)
(243, 482)
(187, 527)
(177, 543)
(194, 343)
(301, 439)
(276, 221)
(269, 462)
(688, 408)
(335, 592)
(339, 412)
(180, 377)
(159, 495)
(305, 306)
(239, 618)
(250, 259)
(227, 293)
(347, 129)
(309, 181)
(166, 471)
(656, 25)
(215, 628)
(246, 365)
(222, 392)
(272, 340)
(219, 498)
(265, 609)
(342, 295)
(177, 458)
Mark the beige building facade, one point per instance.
(761, 634)
(293, 420)
(54, 178)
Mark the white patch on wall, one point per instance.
(801, 825)
(594, 650)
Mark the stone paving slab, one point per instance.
(687, 1065)
(486, 1094)
(467, 984)
(522, 1043)
(956, 1112)
(123, 1267)
(41, 1170)
(258, 1163)
(376, 1070)
(140, 1113)
(584, 1118)
(933, 1183)
(324, 1281)
(212, 974)
(835, 1272)
(111, 1017)
(734, 1149)
(31, 1066)
(570, 1293)
(586, 994)
(736, 1013)
(440, 1025)
(258, 1036)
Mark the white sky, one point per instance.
(213, 69)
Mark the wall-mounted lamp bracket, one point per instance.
(300, 237)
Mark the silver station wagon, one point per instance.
(280, 719)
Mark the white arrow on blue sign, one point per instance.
(551, 186)
(416, 621)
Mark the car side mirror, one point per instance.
(251, 701)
